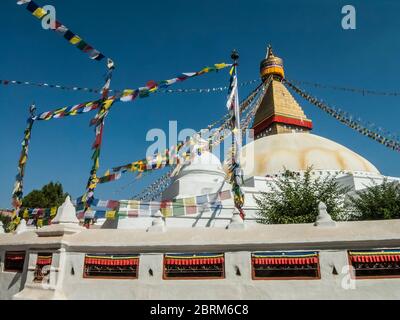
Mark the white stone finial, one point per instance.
(236, 221)
(65, 222)
(21, 227)
(324, 219)
(66, 214)
(158, 223)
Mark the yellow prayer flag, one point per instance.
(127, 92)
(220, 65)
(93, 186)
(39, 13)
(166, 212)
(75, 39)
(153, 89)
(110, 214)
(107, 104)
(189, 201)
(23, 159)
(97, 163)
(53, 211)
(133, 204)
(25, 214)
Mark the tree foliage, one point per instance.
(294, 198)
(376, 202)
(51, 195)
(9, 224)
(5, 220)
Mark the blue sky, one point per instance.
(158, 39)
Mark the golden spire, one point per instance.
(271, 65)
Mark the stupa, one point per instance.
(212, 253)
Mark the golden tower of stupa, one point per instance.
(279, 112)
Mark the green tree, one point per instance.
(376, 202)
(5, 220)
(51, 195)
(9, 224)
(294, 198)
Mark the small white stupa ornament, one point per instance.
(158, 224)
(66, 214)
(237, 222)
(21, 227)
(324, 219)
(65, 222)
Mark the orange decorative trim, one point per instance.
(273, 70)
(376, 258)
(193, 262)
(43, 261)
(280, 261)
(112, 262)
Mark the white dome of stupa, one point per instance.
(202, 174)
(271, 155)
(203, 161)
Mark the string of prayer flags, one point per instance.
(362, 91)
(152, 86)
(19, 179)
(348, 120)
(253, 104)
(38, 217)
(235, 170)
(111, 209)
(98, 121)
(75, 40)
(158, 161)
(110, 177)
(69, 111)
(125, 95)
(92, 90)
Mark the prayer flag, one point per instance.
(166, 208)
(75, 39)
(39, 13)
(178, 208)
(110, 214)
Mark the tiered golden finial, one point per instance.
(271, 65)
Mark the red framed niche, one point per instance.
(110, 266)
(42, 269)
(193, 266)
(285, 265)
(374, 264)
(14, 261)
